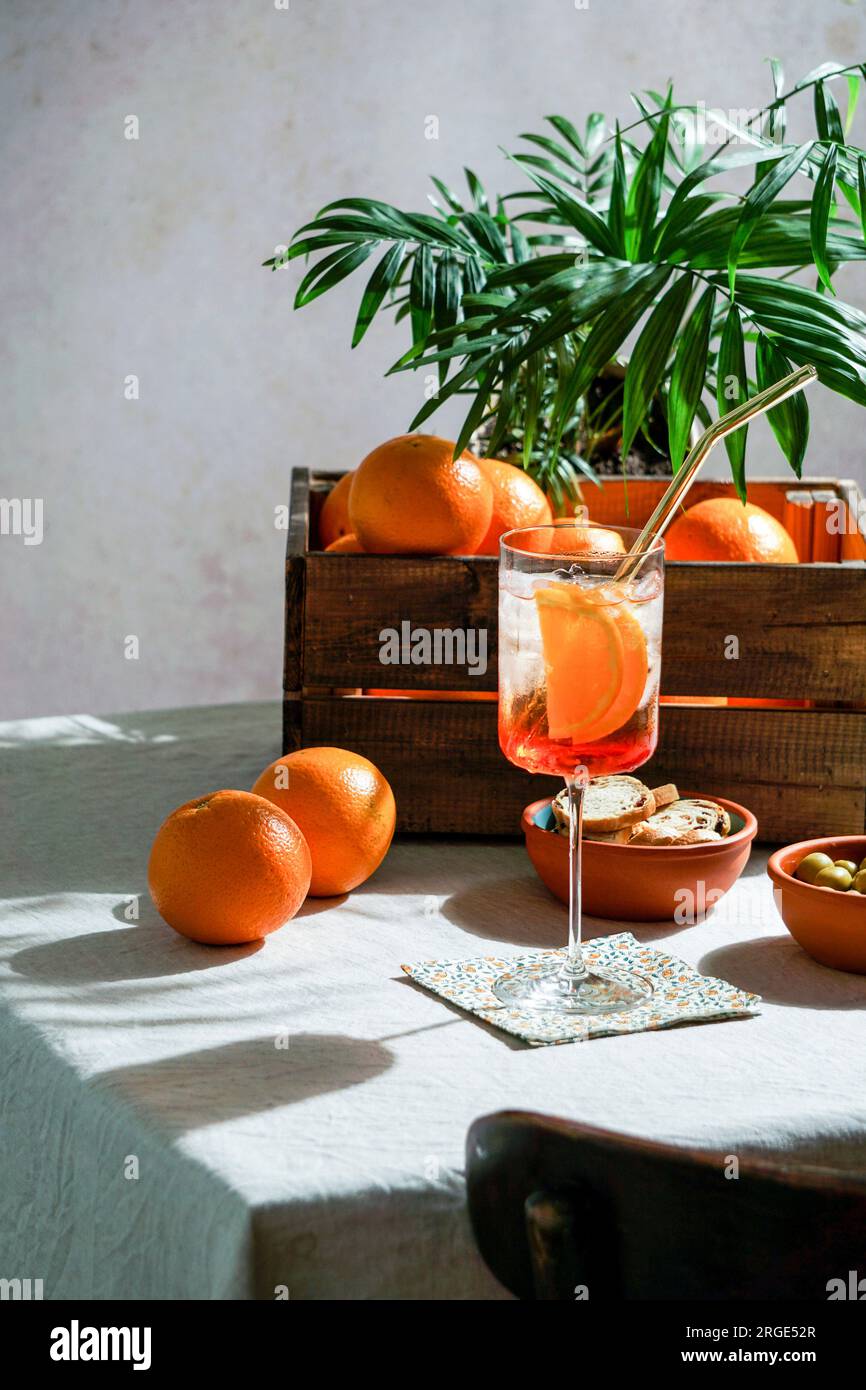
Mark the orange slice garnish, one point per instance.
(635, 665)
(595, 660)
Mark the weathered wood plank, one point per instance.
(296, 566)
(800, 771)
(299, 513)
(800, 630)
(293, 710)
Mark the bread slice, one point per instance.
(609, 837)
(559, 807)
(663, 796)
(612, 803)
(691, 821)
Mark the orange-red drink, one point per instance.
(579, 663)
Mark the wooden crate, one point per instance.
(802, 637)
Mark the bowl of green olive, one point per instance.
(820, 891)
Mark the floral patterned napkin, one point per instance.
(680, 994)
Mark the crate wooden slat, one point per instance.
(801, 631)
(794, 768)
(296, 573)
(797, 769)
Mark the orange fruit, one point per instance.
(344, 807)
(580, 631)
(564, 509)
(570, 538)
(334, 516)
(346, 545)
(722, 528)
(517, 501)
(228, 868)
(411, 497)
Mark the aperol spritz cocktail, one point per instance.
(579, 664)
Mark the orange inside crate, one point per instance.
(618, 504)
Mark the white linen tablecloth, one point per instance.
(160, 1140)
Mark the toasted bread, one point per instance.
(613, 803)
(663, 796)
(559, 807)
(610, 804)
(609, 837)
(684, 822)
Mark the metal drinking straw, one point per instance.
(680, 484)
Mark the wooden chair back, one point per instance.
(565, 1211)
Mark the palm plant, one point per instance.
(522, 303)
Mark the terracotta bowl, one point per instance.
(641, 883)
(831, 926)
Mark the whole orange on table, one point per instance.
(723, 528)
(344, 808)
(411, 496)
(228, 868)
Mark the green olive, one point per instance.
(848, 864)
(834, 877)
(859, 884)
(809, 868)
(863, 863)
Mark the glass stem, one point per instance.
(574, 971)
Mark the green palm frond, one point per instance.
(620, 233)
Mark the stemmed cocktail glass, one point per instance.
(579, 662)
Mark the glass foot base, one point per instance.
(551, 988)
